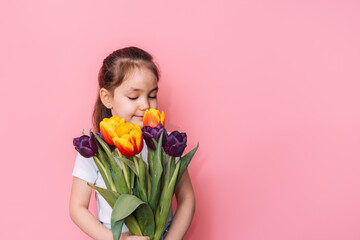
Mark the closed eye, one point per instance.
(132, 98)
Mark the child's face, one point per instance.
(134, 95)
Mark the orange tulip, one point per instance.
(152, 118)
(128, 139)
(108, 126)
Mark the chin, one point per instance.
(138, 122)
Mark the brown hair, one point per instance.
(115, 68)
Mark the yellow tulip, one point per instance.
(108, 126)
(128, 139)
(153, 117)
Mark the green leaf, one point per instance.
(136, 187)
(125, 205)
(156, 170)
(163, 159)
(172, 168)
(116, 229)
(101, 154)
(133, 225)
(185, 160)
(103, 144)
(108, 195)
(106, 175)
(129, 163)
(142, 179)
(118, 174)
(145, 218)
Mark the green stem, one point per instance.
(126, 174)
(163, 159)
(132, 182)
(107, 177)
(166, 181)
(156, 175)
(140, 166)
(148, 182)
(166, 204)
(124, 168)
(136, 163)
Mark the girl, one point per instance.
(128, 85)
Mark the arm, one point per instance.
(82, 217)
(185, 210)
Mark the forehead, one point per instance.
(140, 78)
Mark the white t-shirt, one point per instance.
(86, 169)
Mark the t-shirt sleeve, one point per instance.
(85, 169)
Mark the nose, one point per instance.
(145, 104)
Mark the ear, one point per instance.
(106, 98)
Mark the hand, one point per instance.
(126, 236)
(137, 238)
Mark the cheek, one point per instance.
(154, 104)
(123, 111)
(115, 112)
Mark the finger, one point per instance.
(137, 238)
(124, 236)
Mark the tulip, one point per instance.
(128, 139)
(112, 147)
(108, 126)
(175, 143)
(149, 133)
(153, 117)
(85, 145)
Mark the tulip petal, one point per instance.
(108, 126)
(124, 145)
(151, 117)
(123, 129)
(117, 120)
(85, 152)
(148, 139)
(162, 118)
(92, 142)
(107, 130)
(175, 143)
(76, 142)
(136, 134)
(152, 121)
(149, 133)
(82, 145)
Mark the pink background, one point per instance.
(270, 89)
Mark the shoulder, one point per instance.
(85, 168)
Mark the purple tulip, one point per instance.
(85, 145)
(149, 132)
(175, 143)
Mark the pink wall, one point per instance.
(270, 89)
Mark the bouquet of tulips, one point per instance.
(140, 194)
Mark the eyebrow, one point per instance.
(140, 90)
